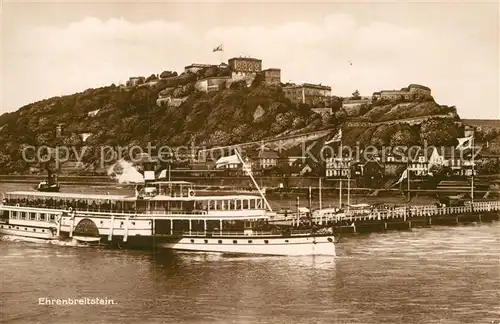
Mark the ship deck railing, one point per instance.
(396, 213)
(130, 211)
(216, 233)
(227, 233)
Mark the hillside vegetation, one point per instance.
(386, 112)
(131, 116)
(435, 131)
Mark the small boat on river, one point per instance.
(51, 184)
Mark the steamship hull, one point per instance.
(287, 246)
(142, 233)
(230, 244)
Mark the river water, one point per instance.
(428, 275)
(433, 275)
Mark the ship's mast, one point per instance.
(253, 180)
(320, 197)
(409, 187)
(348, 185)
(340, 175)
(407, 214)
(472, 178)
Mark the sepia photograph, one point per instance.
(253, 162)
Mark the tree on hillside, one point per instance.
(404, 135)
(304, 110)
(238, 85)
(298, 122)
(439, 132)
(259, 78)
(492, 134)
(363, 109)
(489, 166)
(151, 78)
(168, 74)
(355, 95)
(336, 103)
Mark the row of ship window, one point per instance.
(32, 216)
(235, 241)
(17, 227)
(134, 206)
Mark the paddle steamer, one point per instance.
(165, 214)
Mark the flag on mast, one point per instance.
(464, 143)
(218, 48)
(403, 176)
(336, 138)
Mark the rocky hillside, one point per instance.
(131, 116)
(117, 115)
(435, 131)
(405, 110)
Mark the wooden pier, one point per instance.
(401, 218)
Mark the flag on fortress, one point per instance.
(218, 48)
(336, 138)
(403, 176)
(464, 143)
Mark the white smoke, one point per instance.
(125, 172)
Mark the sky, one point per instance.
(52, 49)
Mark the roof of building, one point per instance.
(271, 69)
(172, 182)
(232, 159)
(393, 91)
(413, 85)
(245, 58)
(373, 162)
(201, 65)
(267, 155)
(450, 152)
(405, 89)
(318, 86)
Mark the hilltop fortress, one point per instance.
(412, 91)
(212, 77)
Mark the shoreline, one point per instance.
(238, 185)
